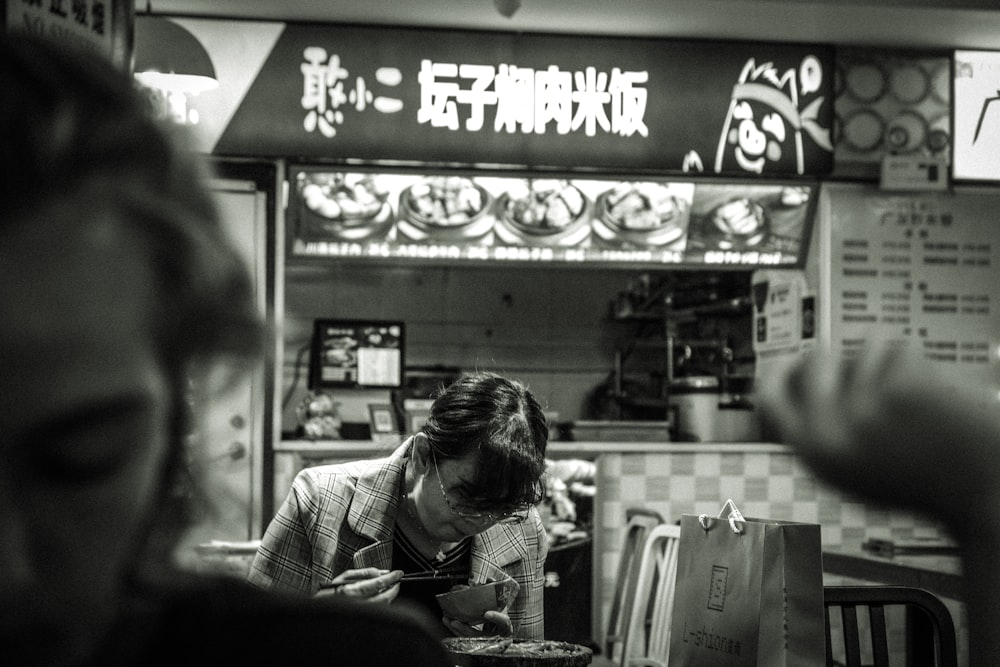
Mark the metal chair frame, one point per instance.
(936, 648)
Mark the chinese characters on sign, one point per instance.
(464, 98)
(84, 23)
(324, 92)
(530, 100)
(524, 99)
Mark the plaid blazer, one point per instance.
(340, 517)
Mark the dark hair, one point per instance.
(79, 144)
(500, 420)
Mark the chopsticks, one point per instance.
(429, 575)
(425, 575)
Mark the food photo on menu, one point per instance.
(450, 209)
(744, 218)
(342, 206)
(543, 212)
(644, 214)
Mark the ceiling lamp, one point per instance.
(168, 57)
(507, 8)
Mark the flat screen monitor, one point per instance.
(356, 353)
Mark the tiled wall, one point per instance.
(768, 484)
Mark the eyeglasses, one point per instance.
(492, 517)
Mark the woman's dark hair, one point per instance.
(79, 144)
(500, 420)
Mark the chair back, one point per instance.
(639, 522)
(865, 636)
(647, 638)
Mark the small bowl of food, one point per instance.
(343, 207)
(641, 214)
(447, 209)
(543, 212)
(469, 603)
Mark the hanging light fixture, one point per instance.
(169, 58)
(507, 8)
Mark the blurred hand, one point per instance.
(890, 426)
(371, 584)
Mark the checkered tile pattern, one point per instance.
(773, 485)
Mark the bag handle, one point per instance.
(728, 511)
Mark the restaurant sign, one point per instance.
(445, 97)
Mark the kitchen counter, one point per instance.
(348, 449)
(941, 574)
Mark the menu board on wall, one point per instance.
(420, 216)
(920, 268)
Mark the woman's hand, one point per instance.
(495, 624)
(371, 584)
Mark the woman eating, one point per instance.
(453, 505)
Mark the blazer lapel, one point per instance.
(372, 513)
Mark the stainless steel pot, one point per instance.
(704, 413)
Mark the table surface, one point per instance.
(939, 573)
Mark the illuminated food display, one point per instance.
(543, 211)
(645, 213)
(738, 223)
(464, 217)
(344, 206)
(445, 208)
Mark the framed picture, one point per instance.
(381, 418)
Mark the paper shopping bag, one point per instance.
(749, 592)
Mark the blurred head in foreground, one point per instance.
(117, 287)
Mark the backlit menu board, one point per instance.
(919, 268)
(451, 217)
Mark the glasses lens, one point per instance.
(472, 515)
